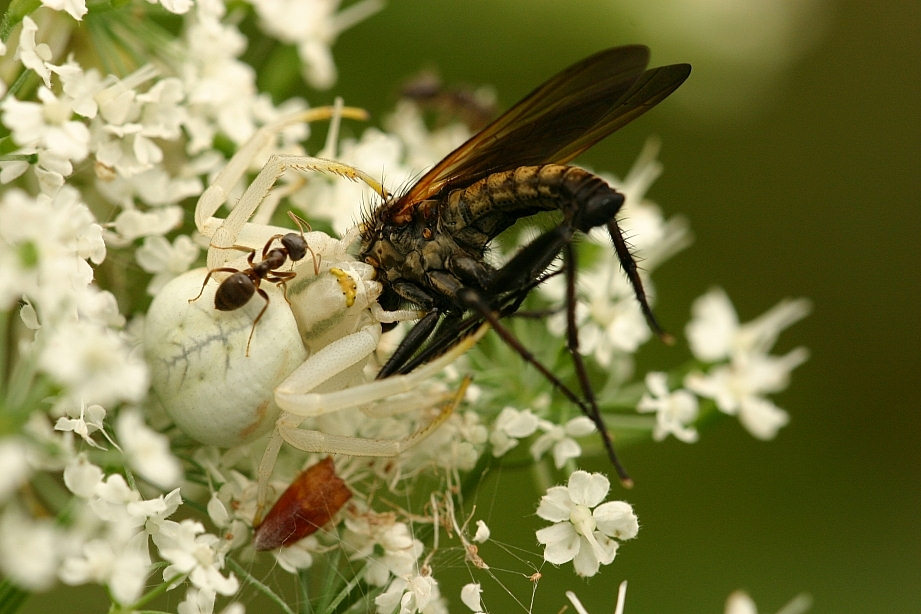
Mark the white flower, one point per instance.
(714, 332)
(132, 223)
(470, 596)
(410, 594)
(192, 551)
(297, 556)
(82, 477)
(581, 534)
(740, 603)
(76, 8)
(738, 386)
(154, 187)
(14, 458)
(110, 499)
(85, 424)
(46, 129)
(80, 87)
(200, 601)
(30, 549)
(387, 547)
(36, 56)
(129, 121)
(675, 411)
(455, 445)
(220, 89)
(560, 439)
(511, 425)
(147, 451)
(166, 260)
(94, 363)
(482, 532)
(44, 242)
(313, 28)
(120, 564)
(197, 601)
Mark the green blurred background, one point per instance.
(794, 151)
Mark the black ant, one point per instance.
(236, 291)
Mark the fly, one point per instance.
(429, 244)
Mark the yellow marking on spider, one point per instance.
(348, 285)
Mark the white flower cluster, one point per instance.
(739, 371)
(97, 162)
(99, 167)
(512, 425)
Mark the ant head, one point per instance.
(295, 244)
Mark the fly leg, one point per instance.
(572, 344)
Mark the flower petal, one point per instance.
(588, 489)
(561, 541)
(616, 519)
(585, 563)
(555, 506)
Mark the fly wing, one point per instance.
(553, 124)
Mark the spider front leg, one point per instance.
(298, 401)
(236, 229)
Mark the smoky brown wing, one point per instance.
(650, 89)
(525, 133)
(561, 118)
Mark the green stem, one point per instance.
(11, 597)
(146, 597)
(349, 595)
(249, 578)
(14, 14)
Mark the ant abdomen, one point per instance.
(234, 292)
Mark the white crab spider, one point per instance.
(308, 353)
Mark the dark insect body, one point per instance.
(237, 289)
(463, 103)
(428, 245)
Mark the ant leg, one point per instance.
(258, 317)
(208, 276)
(281, 279)
(268, 244)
